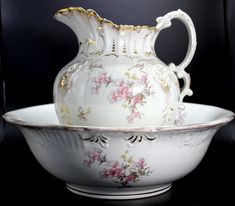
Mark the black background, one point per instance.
(34, 47)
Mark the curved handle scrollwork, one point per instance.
(165, 22)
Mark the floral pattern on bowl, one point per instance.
(123, 172)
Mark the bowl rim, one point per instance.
(225, 119)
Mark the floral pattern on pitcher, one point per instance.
(101, 79)
(83, 113)
(66, 114)
(122, 172)
(127, 90)
(180, 117)
(123, 90)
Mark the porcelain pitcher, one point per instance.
(117, 79)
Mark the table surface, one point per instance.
(23, 180)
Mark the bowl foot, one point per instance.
(118, 193)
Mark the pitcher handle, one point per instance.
(165, 22)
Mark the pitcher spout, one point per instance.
(99, 36)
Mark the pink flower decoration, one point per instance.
(144, 79)
(115, 171)
(101, 79)
(88, 163)
(133, 115)
(123, 173)
(122, 91)
(140, 163)
(138, 99)
(131, 178)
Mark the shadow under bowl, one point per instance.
(119, 163)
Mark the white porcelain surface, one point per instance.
(117, 73)
(119, 163)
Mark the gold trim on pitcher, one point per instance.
(90, 12)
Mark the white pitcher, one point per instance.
(117, 79)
